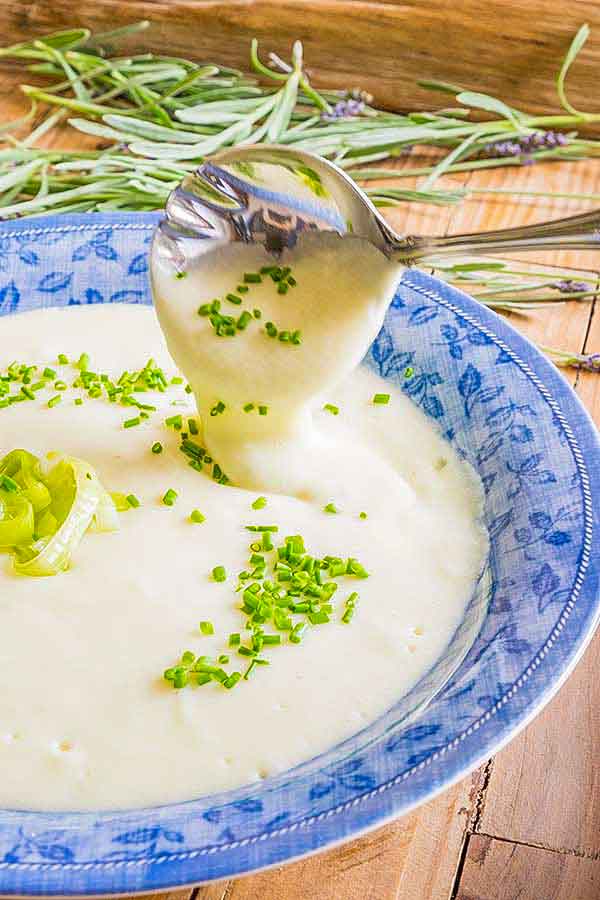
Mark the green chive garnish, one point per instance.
(234, 639)
(132, 500)
(381, 399)
(54, 400)
(62, 359)
(49, 373)
(170, 497)
(193, 426)
(175, 422)
(248, 407)
(218, 408)
(259, 503)
(330, 508)
(219, 573)
(233, 298)
(131, 423)
(263, 410)
(409, 372)
(207, 627)
(334, 410)
(83, 362)
(252, 278)
(197, 517)
(362, 515)
(157, 447)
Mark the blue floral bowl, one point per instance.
(508, 411)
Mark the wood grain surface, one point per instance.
(505, 48)
(527, 824)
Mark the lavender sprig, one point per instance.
(525, 146)
(586, 362)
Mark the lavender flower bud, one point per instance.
(524, 146)
(568, 286)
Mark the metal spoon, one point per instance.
(270, 194)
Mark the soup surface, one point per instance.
(86, 717)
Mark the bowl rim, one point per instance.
(539, 682)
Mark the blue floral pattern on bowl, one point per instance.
(506, 410)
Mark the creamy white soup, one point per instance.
(87, 719)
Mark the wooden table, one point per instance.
(527, 824)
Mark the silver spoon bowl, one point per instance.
(269, 195)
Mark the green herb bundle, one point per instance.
(159, 116)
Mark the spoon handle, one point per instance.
(581, 232)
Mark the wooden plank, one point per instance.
(408, 39)
(414, 858)
(501, 870)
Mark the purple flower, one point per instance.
(568, 286)
(590, 362)
(353, 103)
(526, 145)
(344, 109)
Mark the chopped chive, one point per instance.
(261, 527)
(83, 363)
(330, 508)
(409, 372)
(381, 399)
(282, 287)
(27, 392)
(259, 503)
(233, 298)
(242, 288)
(296, 337)
(193, 426)
(347, 616)
(218, 408)
(54, 400)
(131, 423)
(62, 359)
(169, 497)
(60, 385)
(207, 628)
(234, 639)
(132, 500)
(78, 401)
(263, 410)
(257, 313)
(176, 379)
(219, 573)
(197, 517)
(243, 321)
(232, 680)
(252, 278)
(334, 410)
(271, 329)
(362, 515)
(49, 373)
(180, 275)
(175, 422)
(285, 337)
(157, 447)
